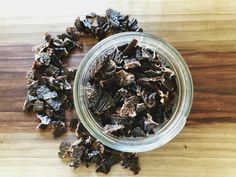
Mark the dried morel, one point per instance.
(131, 90)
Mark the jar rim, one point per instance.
(173, 126)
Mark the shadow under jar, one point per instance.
(165, 131)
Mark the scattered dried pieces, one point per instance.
(133, 91)
(49, 90)
(124, 78)
(87, 150)
(103, 26)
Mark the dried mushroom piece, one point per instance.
(38, 106)
(131, 160)
(134, 164)
(124, 78)
(140, 107)
(52, 70)
(101, 102)
(54, 103)
(43, 58)
(128, 108)
(130, 50)
(74, 123)
(58, 128)
(137, 132)
(149, 124)
(120, 95)
(107, 163)
(131, 63)
(28, 106)
(64, 150)
(32, 87)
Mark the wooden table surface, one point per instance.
(204, 32)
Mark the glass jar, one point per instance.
(166, 131)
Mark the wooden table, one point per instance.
(205, 34)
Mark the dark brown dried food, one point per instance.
(58, 128)
(168, 82)
(130, 50)
(131, 160)
(134, 164)
(81, 131)
(101, 102)
(43, 58)
(128, 108)
(120, 95)
(131, 63)
(140, 107)
(64, 150)
(138, 132)
(38, 106)
(101, 20)
(142, 95)
(49, 112)
(149, 123)
(32, 87)
(124, 78)
(52, 70)
(77, 24)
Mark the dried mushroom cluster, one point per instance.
(131, 91)
(49, 89)
(87, 150)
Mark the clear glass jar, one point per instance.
(166, 131)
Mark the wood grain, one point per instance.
(205, 34)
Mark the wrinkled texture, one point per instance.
(87, 150)
(49, 89)
(131, 90)
(103, 26)
(58, 128)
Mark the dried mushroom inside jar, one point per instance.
(132, 92)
